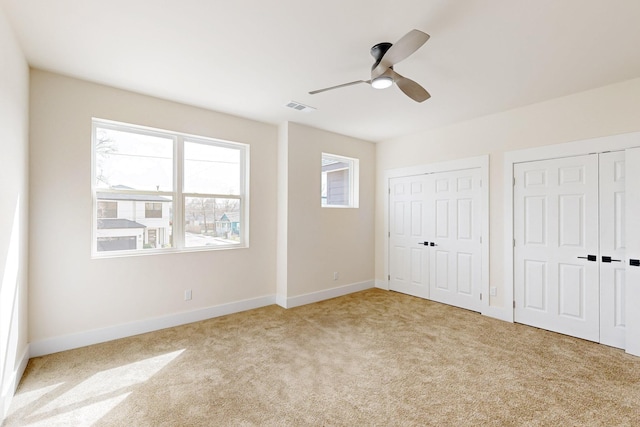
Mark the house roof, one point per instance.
(113, 223)
(130, 197)
(231, 216)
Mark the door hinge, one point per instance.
(514, 304)
(389, 277)
(389, 190)
(480, 239)
(480, 297)
(514, 182)
(389, 234)
(514, 243)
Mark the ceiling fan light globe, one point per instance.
(381, 82)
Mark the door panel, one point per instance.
(465, 273)
(535, 220)
(571, 220)
(555, 223)
(535, 285)
(441, 269)
(465, 223)
(571, 286)
(408, 260)
(612, 244)
(442, 218)
(632, 231)
(455, 258)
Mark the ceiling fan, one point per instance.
(382, 72)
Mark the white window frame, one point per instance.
(354, 181)
(178, 196)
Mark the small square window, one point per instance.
(339, 181)
(153, 210)
(107, 209)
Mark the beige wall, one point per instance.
(14, 197)
(605, 111)
(321, 241)
(72, 293)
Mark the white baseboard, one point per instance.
(499, 313)
(382, 284)
(281, 300)
(95, 336)
(7, 393)
(325, 294)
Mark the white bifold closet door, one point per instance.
(569, 228)
(434, 237)
(632, 226)
(612, 249)
(556, 245)
(455, 233)
(408, 256)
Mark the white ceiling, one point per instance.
(251, 57)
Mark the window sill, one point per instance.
(146, 252)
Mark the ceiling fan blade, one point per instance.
(313, 92)
(404, 47)
(410, 88)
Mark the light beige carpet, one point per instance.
(374, 358)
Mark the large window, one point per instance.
(339, 181)
(159, 191)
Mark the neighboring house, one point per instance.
(225, 224)
(132, 221)
(229, 224)
(335, 181)
(119, 234)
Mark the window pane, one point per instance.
(338, 187)
(129, 160)
(336, 181)
(209, 169)
(211, 222)
(107, 209)
(153, 210)
(128, 227)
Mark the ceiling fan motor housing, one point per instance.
(383, 81)
(378, 51)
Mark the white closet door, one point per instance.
(556, 245)
(408, 256)
(455, 232)
(632, 160)
(612, 249)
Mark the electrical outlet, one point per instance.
(187, 295)
(335, 275)
(493, 291)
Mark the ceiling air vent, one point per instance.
(300, 107)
